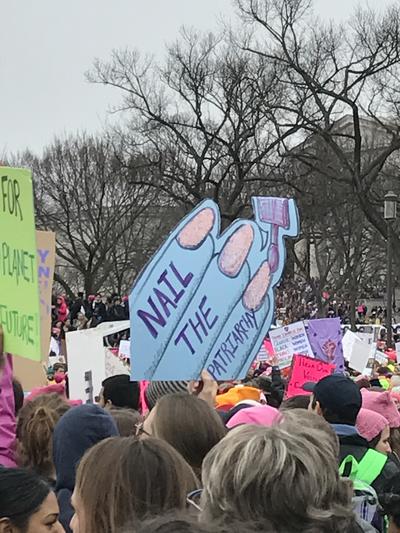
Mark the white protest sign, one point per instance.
(398, 352)
(359, 356)
(87, 359)
(349, 339)
(368, 338)
(290, 340)
(381, 358)
(359, 350)
(113, 365)
(125, 349)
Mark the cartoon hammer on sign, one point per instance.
(275, 212)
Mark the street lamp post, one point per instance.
(389, 215)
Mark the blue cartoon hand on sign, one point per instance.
(206, 300)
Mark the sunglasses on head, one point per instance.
(193, 499)
(139, 430)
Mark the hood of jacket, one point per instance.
(78, 430)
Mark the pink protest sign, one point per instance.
(306, 369)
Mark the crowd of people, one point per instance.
(80, 313)
(202, 456)
(71, 314)
(294, 301)
(297, 300)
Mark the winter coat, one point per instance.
(357, 446)
(7, 415)
(62, 310)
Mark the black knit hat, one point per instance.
(158, 389)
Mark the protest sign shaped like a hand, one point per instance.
(205, 300)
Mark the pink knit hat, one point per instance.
(370, 424)
(261, 415)
(58, 388)
(382, 403)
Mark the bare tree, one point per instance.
(83, 194)
(208, 121)
(328, 71)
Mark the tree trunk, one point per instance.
(64, 285)
(353, 297)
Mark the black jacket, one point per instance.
(357, 446)
(75, 309)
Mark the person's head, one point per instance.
(122, 481)
(59, 367)
(126, 420)
(390, 501)
(336, 398)
(301, 401)
(292, 418)
(395, 381)
(98, 298)
(284, 477)
(384, 371)
(78, 430)
(120, 391)
(35, 426)
(173, 524)
(259, 415)
(18, 395)
(158, 389)
(26, 503)
(189, 424)
(80, 295)
(375, 429)
(178, 522)
(382, 403)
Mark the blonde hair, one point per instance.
(281, 477)
(309, 419)
(35, 426)
(122, 480)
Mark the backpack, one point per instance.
(363, 473)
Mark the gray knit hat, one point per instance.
(158, 389)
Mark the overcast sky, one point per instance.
(47, 45)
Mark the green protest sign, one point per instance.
(19, 289)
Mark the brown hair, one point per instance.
(126, 419)
(122, 480)
(186, 522)
(395, 441)
(190, 425)
(300, 401)
(36, 422)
